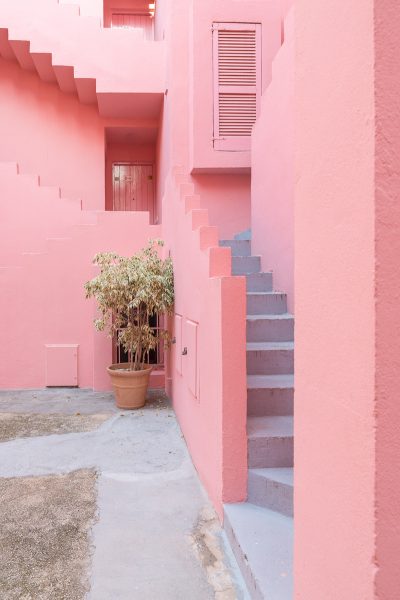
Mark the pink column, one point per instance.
(334, 283)
(347, 223)
(387, 286)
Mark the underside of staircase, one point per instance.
(261, 530)
(126, 92)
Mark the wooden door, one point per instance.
(133, 188)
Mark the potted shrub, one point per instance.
(128, 292)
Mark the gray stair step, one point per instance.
(270, 358)
(266, 303)
(270, 442)
(259, 282)
(238, 247)
(270, 328)
(272, 488)
(270, 395)
(243, 235)
(242, 265)
(262, 542)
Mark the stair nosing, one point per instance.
(272, 427)
(271, 474)
(270, 317)
(269, 346)
(271, 293)
(271, 383)
(257, 256)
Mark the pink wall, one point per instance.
(387, 276)
(227, 198)
(160, 19)
(335, 554)
(272, 174)
(90, 8)
(48, 239)
(56, 137)
(47, 244)
(55, 33)
(214, 422)
(163, 150)
(208, 384)
(203, 157)
(172, 140)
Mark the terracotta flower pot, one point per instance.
(130, 387)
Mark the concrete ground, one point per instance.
(104, 504)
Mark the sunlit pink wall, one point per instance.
(272, 175)
(335, 302)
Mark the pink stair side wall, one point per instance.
(207, 381)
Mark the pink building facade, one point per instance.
(260, 141)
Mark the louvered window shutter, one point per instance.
(237, 83)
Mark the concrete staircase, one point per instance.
(261, 529)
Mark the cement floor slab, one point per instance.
(156, 536)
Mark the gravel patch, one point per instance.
(45, 527)
(23, 425)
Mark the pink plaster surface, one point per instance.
(272, 173)
(55, 32)
(46, 251)
(90, 8)
(387, 276)
(227, 199)
(208, 296)
(203, 157)
(46, 116)
(335, 556)
(160, 94)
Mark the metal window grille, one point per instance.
(156, 357)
